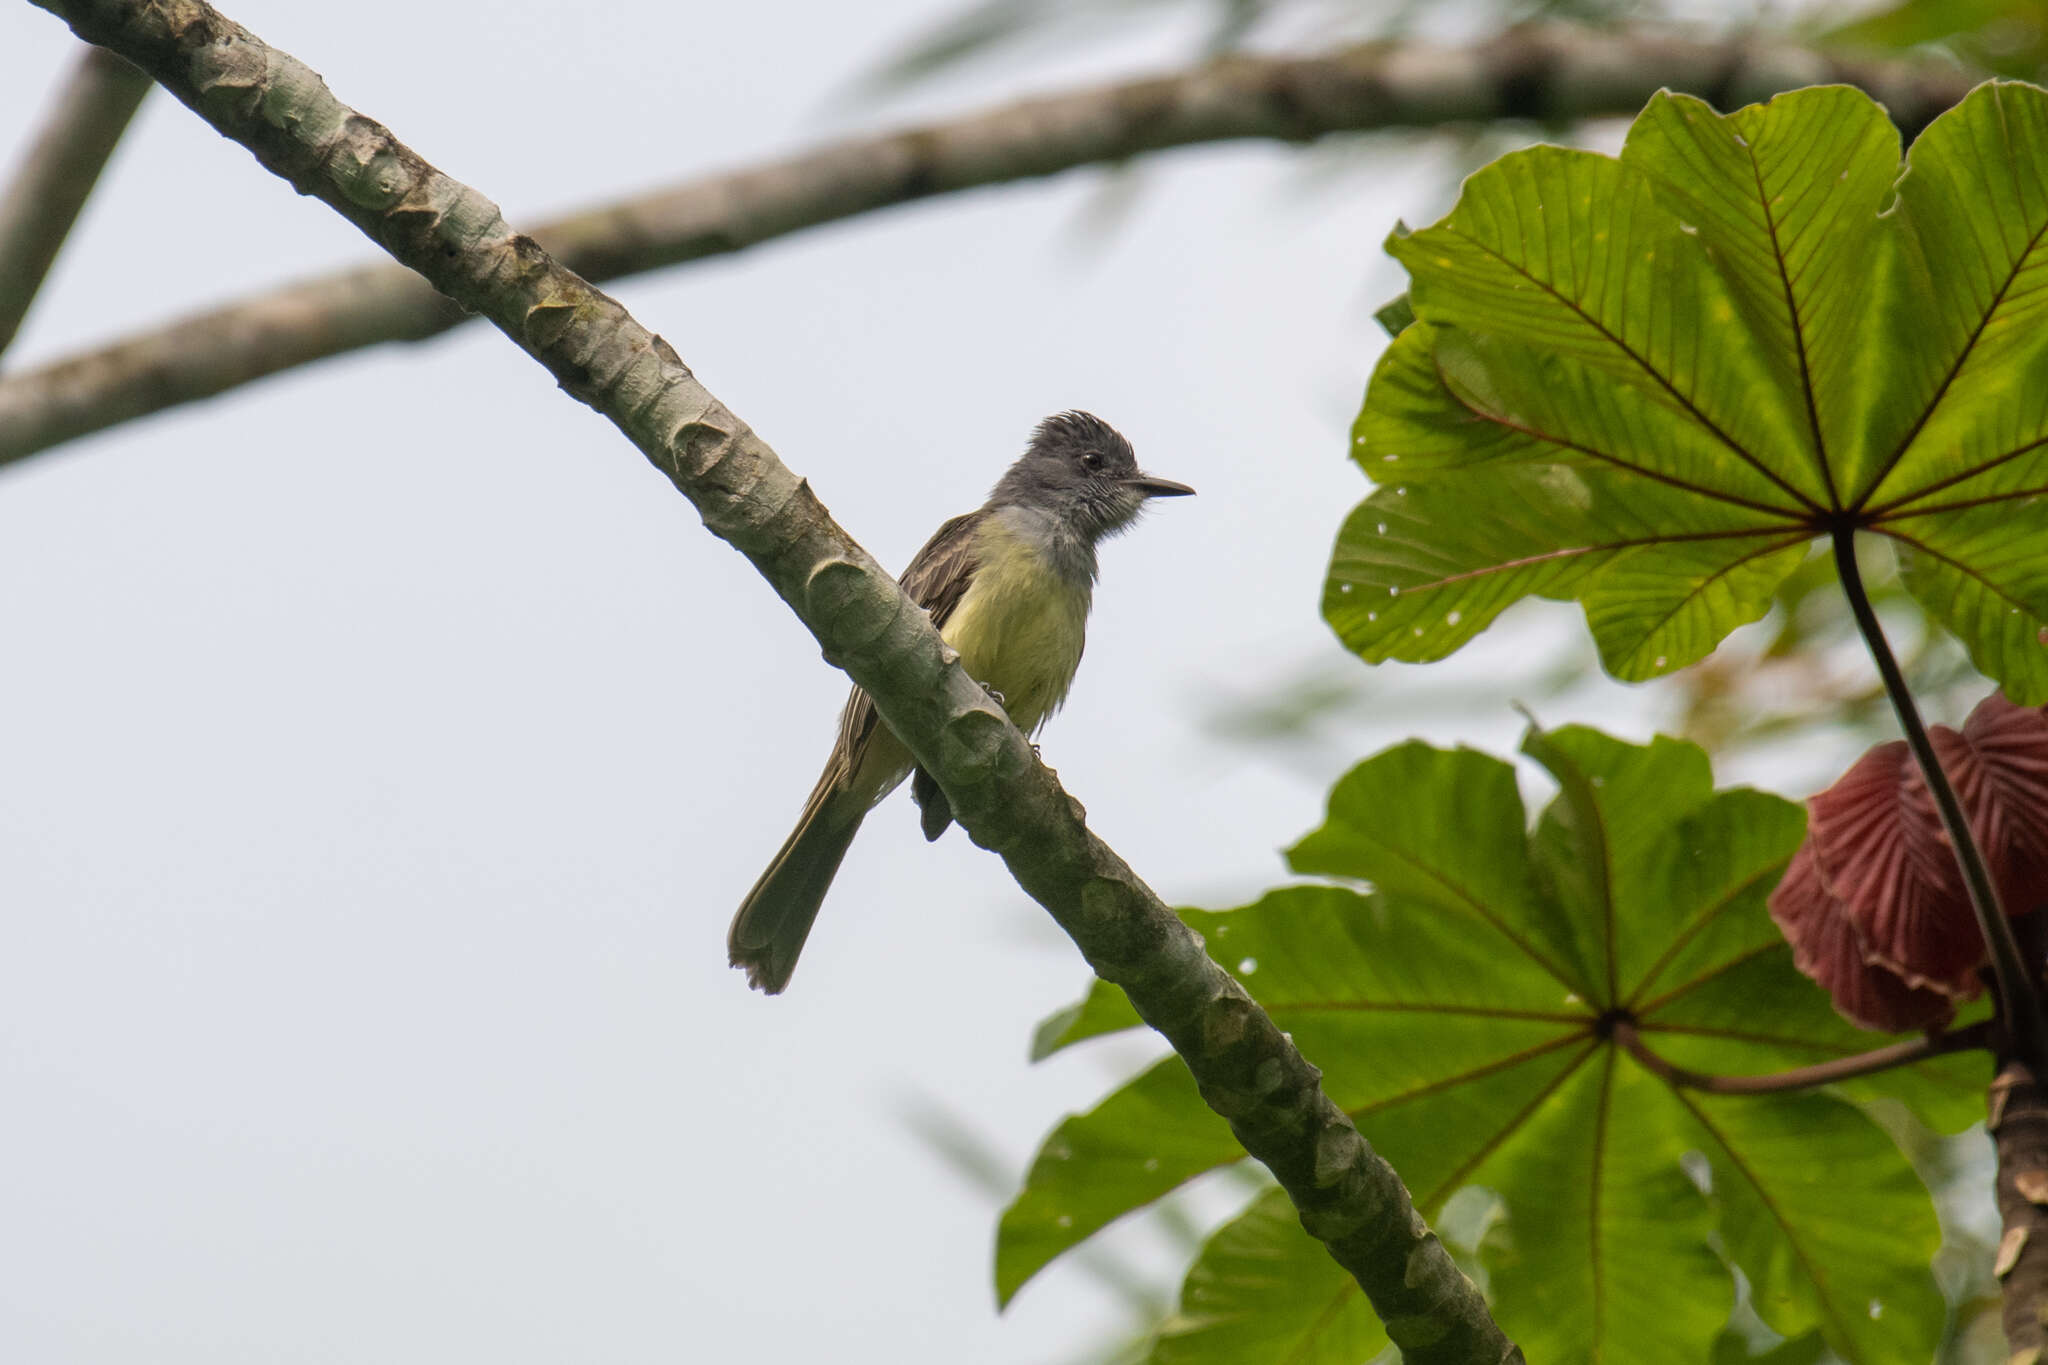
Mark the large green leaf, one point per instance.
(1731, 1349)
(1828, 1221)
(1264, 1290)
(1648, 383)
(1460, 987)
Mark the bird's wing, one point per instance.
(939, 573)
(936, 580)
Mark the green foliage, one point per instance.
(982, 29)
(1263, 1289)
(1395, 314)
(1730, 1349)
(1647, 383)
(2004, 37)
(1458, 980)
(989, 26)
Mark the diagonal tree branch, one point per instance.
(1549, 74)
(57, 172)
(1247, 1069)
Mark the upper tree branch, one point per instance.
(1550, 74)
(57, 172)
(1247, 1069)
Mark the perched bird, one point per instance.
(1008, 586)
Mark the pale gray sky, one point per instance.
(384, 748)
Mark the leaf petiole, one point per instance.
(1976, 1035)
(2019, 1004)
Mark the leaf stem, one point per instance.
(2019, 1004)
(1977, 1035)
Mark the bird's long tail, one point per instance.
(776, 917)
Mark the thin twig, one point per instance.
(2019, 1003)
(1552, 74)
(57, 173)
(1976, 1035)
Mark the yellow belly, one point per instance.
(1020, 627)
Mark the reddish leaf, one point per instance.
(2007, 796)
(1825, 946)
(1879, 849)
(1874, 904)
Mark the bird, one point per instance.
(1009, 587)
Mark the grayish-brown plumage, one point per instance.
(1008, 586)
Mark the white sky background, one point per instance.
(384, 748)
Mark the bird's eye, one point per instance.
(1093, 459)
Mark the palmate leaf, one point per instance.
(1648, 383)
(1264, 1290)
(1731, 1349)
(1459, 986)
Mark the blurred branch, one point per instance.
(1247, 1069)
(57, 173)
(1539, 73)
(988, 26)
(984, 28)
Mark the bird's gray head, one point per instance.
(1081, 469)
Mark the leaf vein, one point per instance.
(1642, 363)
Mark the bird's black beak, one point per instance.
(1153, 487)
